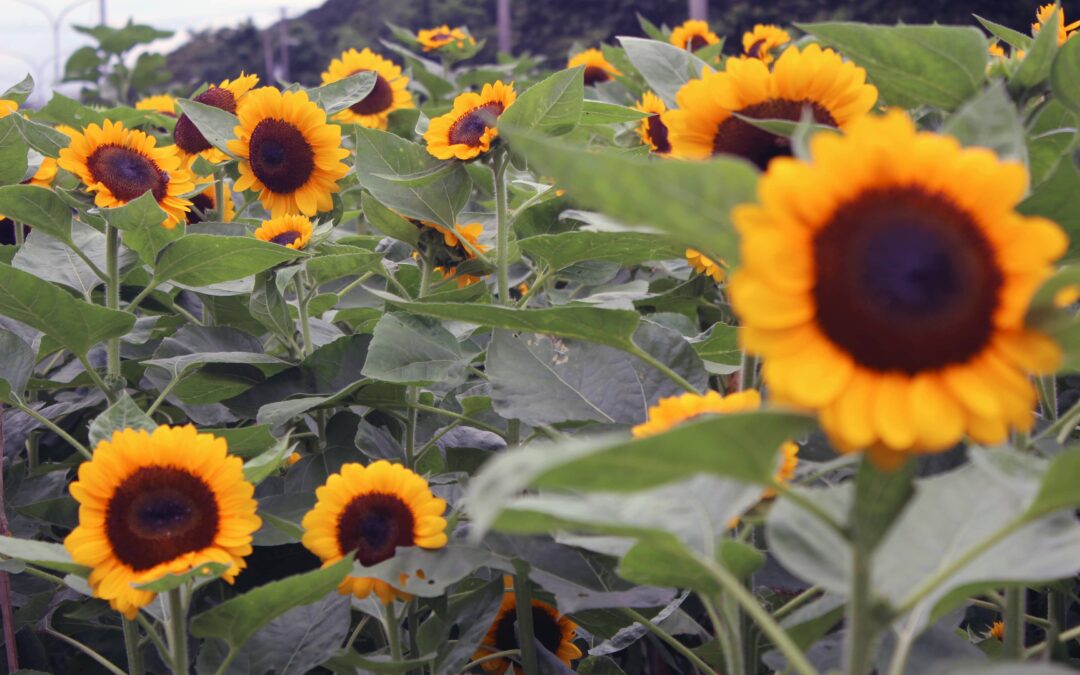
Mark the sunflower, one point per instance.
(162, 103)
(289, 153)
(469, 129)
(703, 264)
(597, 68)
(159, 503)
(997, 51)
(45, 173)
(445, 249)
(206, 203)
(291, 231)
(1042, 17)
(997, 631)
(759, 42)
(7, 107)
(388, 94)
(814, 79)
(651, 129)
(119, 165)
(552, 630)
(693, 35)
(226, 96)
(436, 38)
(372, 510)
(885, 284)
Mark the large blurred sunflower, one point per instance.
(814, 79)
(161, 103)
(885, 284)
(651, 129)
(759, 42)
(159, 503)
(371, 511)
(119, 165)
(597, 68)
(289, 153)
(388, 94)
(693, 35)
(469, 128)
(291, 231)
(553, 631)
(226, 96)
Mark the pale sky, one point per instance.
(26, 34)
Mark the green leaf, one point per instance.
(63, 110)
(15, 367)
(600, 112)
(37, 207)
(236, 620)
(140, 224)
(337, 96)
(428, 573)
(990, 121)
(1065, 73)
(719, 346)
(205, 259)
(1058, 490)
(20, 91)
(43, 138)
(41, 553)
(663, 65)
(410, 349)
(552, 106)
(324, 268)
(124, 414)
(216, 125)
(246, 441)
(202, 573)
(1014, 39)
(1035, 66)
(742, 446)
(261, 466)
(13, 150)
(119, 40)
(880, 496)
(1055, 198)
(690, 200)
(939, 66)
(268, 306)
(559, 251)
(651, 29)
(379, 153)
(75, 324)
(389, 223)
(665, 562)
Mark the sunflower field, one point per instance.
(740, 356)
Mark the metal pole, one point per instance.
(101, 13)
(502, 20)
(283, 37)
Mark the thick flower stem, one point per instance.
(502, 225)
(393, 633)
(112, 301)
(1013, 641)
(523, 609)
(857, 621)
(178, 632)
(131, 645)
(305, 321)
(219, 195)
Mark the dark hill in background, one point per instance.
(543, 27)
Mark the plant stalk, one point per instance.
(523, 609)
(860, 637)
(1013, 641)
(131, 645)
(305, 322)
(178, 632)
(502, 224)
(393, 632)
(112, 301)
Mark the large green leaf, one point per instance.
(236, 620)
(205, 259)
(215, 124)
(381, 155)
(15, 367)
(742, 446)
(552, 106)
(19, 91)
(42, 554)
(140, 224)
(939, 66)
(389, 223)
(37, 207)
(1065, 73)
(411, 349)
(64, 110)
(13, 151)
(1035, 66)
(337, 96)
(626, 248)
(75, 324)
(663, 65)
(691, 200)
(1055, 198)
(124, 414)
(41, 137)
(990, 120)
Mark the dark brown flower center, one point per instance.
(204, 204)
(186, 135)
(470, 127)
(285, 238)
(378, 99)
(756, 50)
(545, 627)
(696, 42)
(906, 281)
(280, 156)
(374, 525)
(736, 137)
(128, 174)
(658, 134)
(594, 74)
(159, 513)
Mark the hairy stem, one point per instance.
(131, 645)
(178, 632)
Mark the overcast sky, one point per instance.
(26, 34)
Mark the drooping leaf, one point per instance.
(1035, 66)
(552, 106)
(13, 151)
(37, 207)
(15, 366)
(337, 96)
(1065, 73)
(205, 259)
(389, 223)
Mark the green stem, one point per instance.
(393, 634)
(425, 277)
(151, 630)
(414, 628)
(93, 375)
(502, 225)
(748, 372)
(860, 638)
(229, 658)
(178, 632)
(161, 397)
(105, 663)
(797, 602)
(656, 363)
(356, 631)
(354, 283)
(131, 644)
(413, 399)
(1028, 618)
(1055, 615)
(90, 263)
(112, 301)
(20, 236)
(1064, 636)
(733, 627)
(537, 284)
(669, 640)
(55, 429)
(1013, 641)
(458, 416)
(523, 609)
(150, 288)
(219, 195)
(719, 627)
(305, 323)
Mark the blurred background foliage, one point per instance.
(548, 27)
